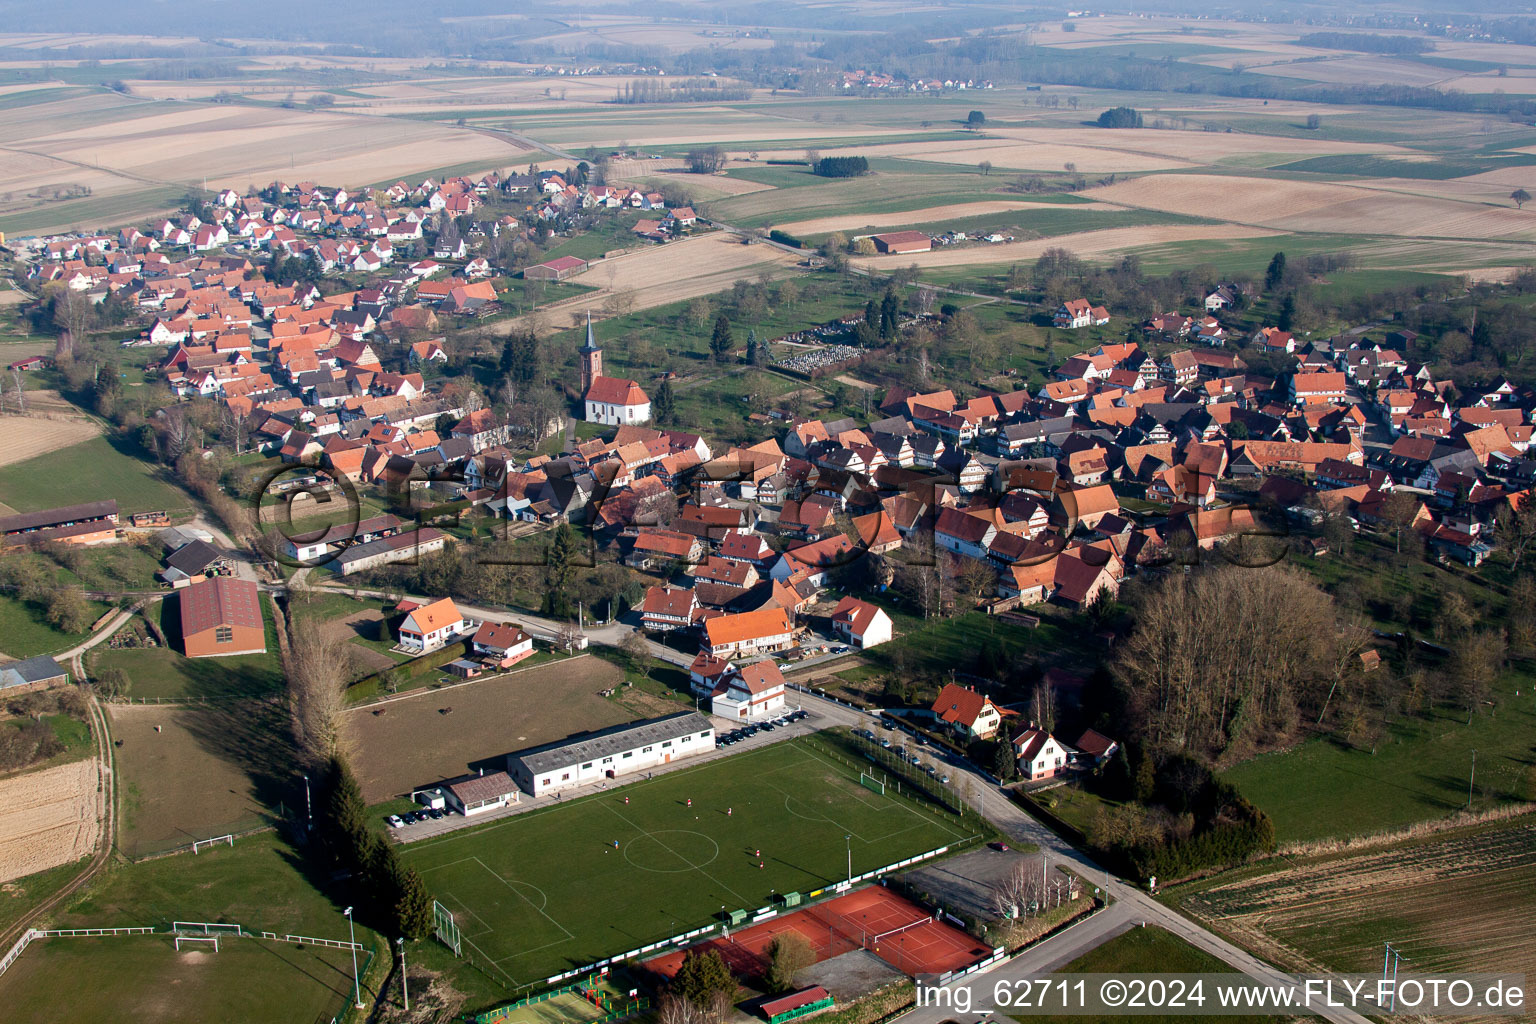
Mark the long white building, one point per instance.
(611, 753)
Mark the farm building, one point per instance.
(393, 548)
(556, 269)
(477, 794)
(32, 674)
(220, 617)
(197, 560)
(610, 753)
(897, 242)
(94, 522)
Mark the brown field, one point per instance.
(410, 742)
(29, 436)
(843, 222)
(659, 274)
(1456, 903)
(1086, 244)
(202, 774)
(49, 817)
(1308, 206)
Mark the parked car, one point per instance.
(886, 744)
(395, 821)
(944, 779)
(915, 759)
(434, 813)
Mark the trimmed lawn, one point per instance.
(89, 471)
(535, 893)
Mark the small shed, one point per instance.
(476, 794)
(464, 668)
(796, 1004)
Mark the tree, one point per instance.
(72, 314)
(700, 976)
(1517, 522)
(721, 340)
(788, 954)
(638, 651)
(709, 160)
(664, 405)
(413, 906)
(68, 611)
(1399, 511)
(1042, 707)
(890, 309)
(985, 167)
(1120, 117)
(1274, 277)
(751, 346)
(1004, 765)
(1314, 122)
(314, 661)
(1521, 197)
(1287, 317)
(975, 119)
(113, 682)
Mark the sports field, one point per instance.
(540, 893)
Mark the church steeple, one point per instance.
(591, 359)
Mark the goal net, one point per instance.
(870, 782)
(197, 846)
(205, 940)
(206, 928)
(444, 928)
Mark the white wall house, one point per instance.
(611, 753)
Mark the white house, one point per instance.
(616, 402)
(1038, 753)
(430, 626)
(501, 643)
(860, 623)
(969, 713)
(748, 693)
(611, 753)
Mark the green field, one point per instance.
(89, 471)
(143, 979)
(536, 894)
(258, 883)
(1418, 771)
(1145, 951)
(24, 631)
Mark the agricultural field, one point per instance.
(1332, 912)
(194, 772)
(49, 817)
(532, 891)
(439, 734)
(32, 436)
(84, 472)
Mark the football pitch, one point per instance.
(540, 893)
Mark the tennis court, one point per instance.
(895, 929)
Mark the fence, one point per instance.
(15, 951)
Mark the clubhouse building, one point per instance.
(611, 753)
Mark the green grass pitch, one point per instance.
(539, 893)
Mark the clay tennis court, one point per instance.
(895, 929)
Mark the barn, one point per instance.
(556, 269)
(897, 242)
(220, 617)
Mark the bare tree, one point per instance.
(1042, 706)
(20, 390)
(72, 312)
(677, 1010)
(315, 661)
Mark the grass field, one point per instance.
(142, 978)
(1145, 951)
(534, 893)
(24, 631)
(1418, 771)
(165, 672)
(89, 471)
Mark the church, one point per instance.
(612, 401)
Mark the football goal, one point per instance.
(204, 939)
(868, 781)
(444, 928)
(196, 847)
